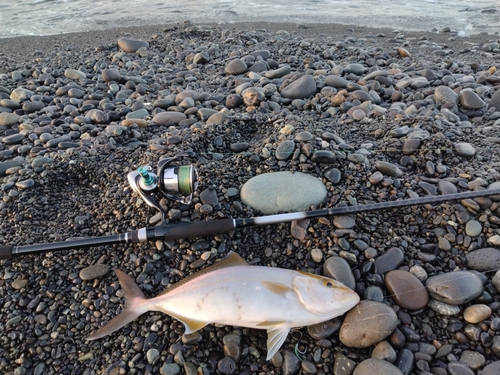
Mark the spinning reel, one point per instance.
(175, 182)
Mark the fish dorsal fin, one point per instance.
(275, 338)
(231, 260)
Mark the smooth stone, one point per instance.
(168, 118)
(336, 81)
(302, 88)
(477, 313)
(9, 119)
(285, 150)
(32, 107)
(374, 293)
(139, 114)
(209, 196)
(21, 94)
(358, 114)
(74, 74)
(217, 118)
(323, 156)
(376, 178)
(201, 58)
(303, 136)
(97, 116)
(361, 95)
(226, 365)
(389, 261)
(384, 351)
(139, 122)
(25, 184)
(321, 331)
(411, 146)
(4, 165)
(446, 187)
(406, 290)
(131, 45)
(472, 359)
(205, 113)
(278, 73)
(308, 367)
(184, 94)
(40, 161)
(458, 368)
(388, 169)
(152, 356)
(473, 228)
(404, 361)
(333, 175)
(455, 288)
(291, 363)
(443, 308)
(338, 269)
(495, 101)
(94, 272)
(485, 259)
(19, 284)
(445, 95)
(366, 324)
(170, 369)
(470, 100)
(253, 96)
(13, 139)
(111, 75)
(356, 68)
(494, 367)
(232, 350)
(233, 101)
(239, 146)
(373, 366)
(270, 193)
(496, 281)
(465, 149)
(235, 67)
(344, 222)
(343, 365)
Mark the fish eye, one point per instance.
(329, 284)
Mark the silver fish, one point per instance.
(231, 292)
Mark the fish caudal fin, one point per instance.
(275, 338)
(134, 306)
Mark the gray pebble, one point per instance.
(455, 288)
(337, 268)
(94, 272)
(373, 366)
(302, 88)
(465, 149)
(485, 259)
(388, 169)
(291, 364)
(235, 67)
(131, 45)
(285, 149)
(170, 369)
(473, 228)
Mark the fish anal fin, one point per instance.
(277, 288)
(269, 323)
(231, 260)
(275, 338)
(190, 325)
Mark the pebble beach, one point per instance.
(359, 115)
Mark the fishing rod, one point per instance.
(179, 182)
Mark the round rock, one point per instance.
(367, 324)
(282, 191)
(445, 95)
(388, 169)
(470, 100)
(235, 67)
(338, 269)
(373, 366)
(455, 288)
(252, 96)
(8, 119)
(285, 150)
(477, 313)
(465, 149)
(94, 272)
(131, 45)
(406, 290)
(168, 118)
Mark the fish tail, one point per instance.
(134, 306)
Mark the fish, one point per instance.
(232, 292)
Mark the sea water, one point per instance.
(46, 17)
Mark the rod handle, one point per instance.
(6, 251)
(198, 229)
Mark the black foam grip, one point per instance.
(6, 251)
(200, 228)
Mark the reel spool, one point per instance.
(176, 182)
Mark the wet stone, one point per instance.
(367, 324)
(389, 261)
(455, 288)
(94, 272)
(406, 290)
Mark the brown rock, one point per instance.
(406, 290)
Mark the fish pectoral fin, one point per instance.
(190, 325)
(275, 338)
(270, 323)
